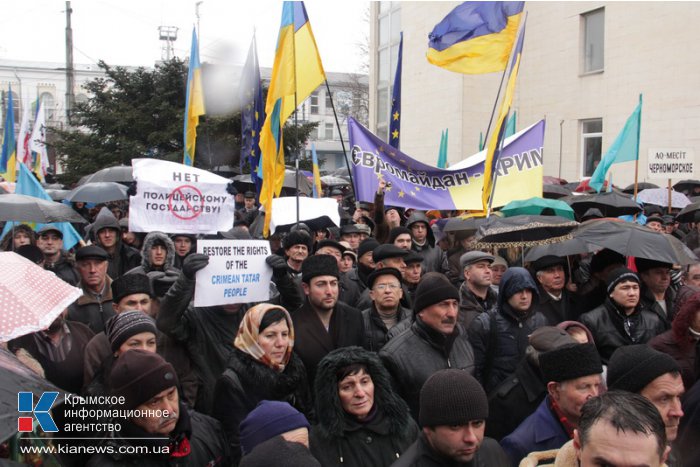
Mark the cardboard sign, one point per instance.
(236, 273)
(176, 198)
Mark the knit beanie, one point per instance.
(126, 324)
(570, 362)
(433, 288)
(319, 265)
(138, 375)
(452, 397)
(396, 231)
(366, 246)
(267, 420)
(619, 275)
(129, 284)
(281, 453)
(632, 367)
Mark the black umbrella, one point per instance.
(118, 173)
(573, 246)
(25, 208)
(457, 224)
(687, 214)
(687, 185)
(631, 239)
(504, 232)
(555, 191)
(611, 204)
(640, 186)
(98, 192)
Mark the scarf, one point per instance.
(248, 332)
(565, 423)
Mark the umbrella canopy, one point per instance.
(687, 214)
(25, 208)
(611, 204)
(118, 173)
(57, 195)
(243, 182)
(631, 239)
(640, 186)
(31, 296)
(554, 191)
(504, 232)
(98, 192)
(659, 197)
(549, 180)
(457, 224)
(687, 185)
(573, 246)
(538, 206)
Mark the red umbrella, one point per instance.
(30, 297)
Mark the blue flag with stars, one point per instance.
(395, 120)
(252, 114)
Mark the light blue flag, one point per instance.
(510, 125)
(625, 148)
(442, 156)
(27, 184)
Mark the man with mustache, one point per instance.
(435, 341)
(161, 422)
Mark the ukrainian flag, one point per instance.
(475, 37)
(194, 102)
(317, 190)
(8, 159)
(296, 72)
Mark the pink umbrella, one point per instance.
(30, 297)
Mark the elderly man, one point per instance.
(656, 293)
(556, 303)
(50, 241)
(621, 320)
(498, 268)
(573, 375)
(386, 256)
(475, 293)
(163, 431)
(385, 311)
(433, 342)
(453, 413)
(297, 247)
(654, 375)
(94, 307)
(500, 337)
(351, 234)
(412, 274)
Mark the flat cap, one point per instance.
(91, 252)
(475, 256)
(388, 250)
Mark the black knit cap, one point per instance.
(433, 288)
(570, 362)
(127, 324)
(386, 251)
(297, 237)
(396, 231)
(319, 265)
(618, 276)
(383, 272)
(452, 397)
(632, 367)
(366, 246)
(129, 284)
(138, 375)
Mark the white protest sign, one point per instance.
(284, 210)
(173, 197)
(236, 273)
(671, 163)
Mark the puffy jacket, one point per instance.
(375, 329)
(339, 439)
(418, 352)
(607, 324)
(500, 337)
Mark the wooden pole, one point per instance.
(670, 188)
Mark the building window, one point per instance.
(593, 40)
(314, 103)
(329, 104)
(329, 131)
(591, 144)
(49, 104)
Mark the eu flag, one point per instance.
(252, 114)
(395, 120)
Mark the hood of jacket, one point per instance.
(514, 280)
(105, 221)
(332, 419)
(148, 243)
(418, 216)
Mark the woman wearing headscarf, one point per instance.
(361, 420)
(261, 367)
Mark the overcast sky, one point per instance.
(125, 32)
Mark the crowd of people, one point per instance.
(385, 341)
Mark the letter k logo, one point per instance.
(25, 403)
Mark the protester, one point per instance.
(464, 242)
(50, 242)
(656, 293)
(331, 248)
(590, 278)
(297, 247)
(556, 303)
(361, 420)
(691, 274)
(351, 234)
(94, 307)
(498, 268)
(354, 282)
(107, 234)
(401, 237)
(184, 245)
(348, 261)
(475, 293)
(386, 256)
(453, 413)
(412, 274)
(434, 258)
(262, 366)
(385, 311)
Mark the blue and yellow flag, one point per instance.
(194, 102)
(296, 72)
(252, 114)
(317, 190)
(475, 37)
(493, 147)
(8, 160)
(395, 121)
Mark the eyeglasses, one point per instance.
(383, 287)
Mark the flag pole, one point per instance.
(493, 110)
(636, 162)
(342, 142)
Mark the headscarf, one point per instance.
(247, 338)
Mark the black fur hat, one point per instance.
(297, 237)
(570, 362)
(319, 265)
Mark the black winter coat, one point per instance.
(351, 287)
(418, 352)
(608, 326)
(91, 310)
(64, 268)
(420, 454)
(470, 307)
(557, 311)
(246, 382)
(375, 329)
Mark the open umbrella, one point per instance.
(687, 185)
(551, 191)
(118, 173)
(30, 209)
(631, 239)
(687, 214)
(98, 192)
(538, 206)
(572, 246)
(611, 204)
(243, 182)
(31, 296)
(457, 224)
(659, 197)
(549, 180)
(525, 231)
(640, 186)
(57, 195)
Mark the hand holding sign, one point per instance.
(194, 263)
